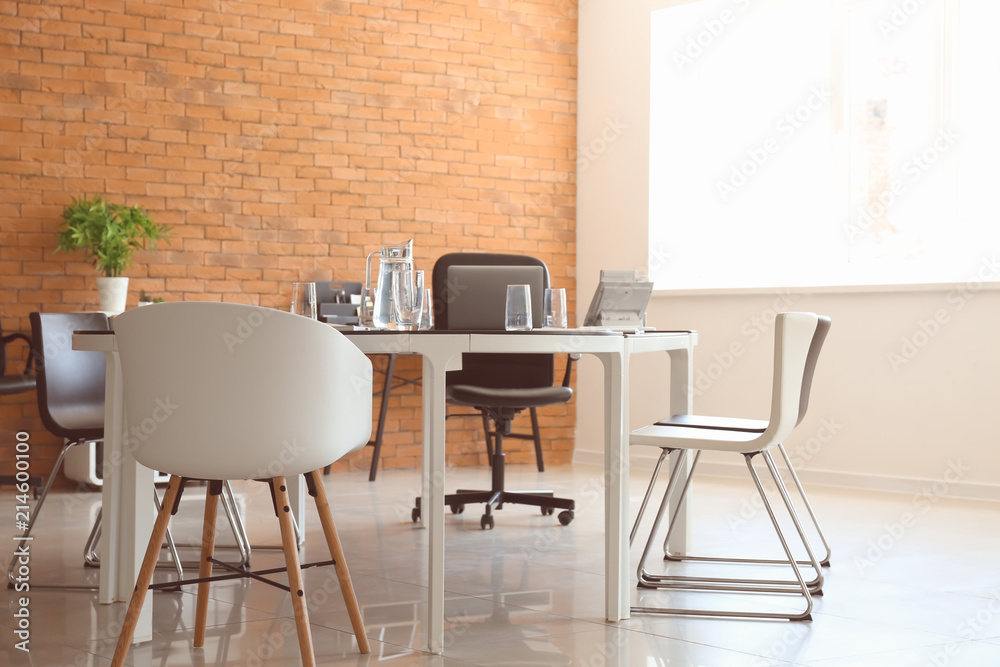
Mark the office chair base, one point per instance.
(498, 495)
(542, 499)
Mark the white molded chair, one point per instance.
(794, 335)
(228, 391)
(751, 426)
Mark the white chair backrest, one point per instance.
(229, 391)
(793, 337)
(822, 329)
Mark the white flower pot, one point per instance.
(111, 294)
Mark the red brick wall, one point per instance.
(282, 141)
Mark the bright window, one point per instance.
(808, 143)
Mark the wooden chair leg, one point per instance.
(337, 552)
(205, 566)
(146, 572)
(290, 546)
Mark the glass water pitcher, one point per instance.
(376, 299)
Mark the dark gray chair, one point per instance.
(70, 386)
(70, 389)
(11, 384)
(443, 290)
(497, 385)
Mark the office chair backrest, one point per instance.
(230, 391)
(70, 383)
(489, 370)
(793, 336)
(822, 329)
(479, 302)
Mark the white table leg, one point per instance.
(435, 367)
(616, 472)
(681, 402)
(127, 517)
(111, 492)
(439, 356)
(432, 503)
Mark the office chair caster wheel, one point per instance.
(415, 514)
(486, 522)
(457, 509)
(548, 511)
(566, 517)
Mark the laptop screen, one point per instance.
(478, 295)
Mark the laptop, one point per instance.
(477, 295)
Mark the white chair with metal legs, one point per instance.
(794, 336)
(751, 426)
(258, 394)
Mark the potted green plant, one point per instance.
(109, 234)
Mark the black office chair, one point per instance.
(11, 384)
(441, 287)
(497, 385)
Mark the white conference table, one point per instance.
(128, 519)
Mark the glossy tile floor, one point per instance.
(914, 581)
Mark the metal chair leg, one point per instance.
(649, 580)
(26, 535)
(825, 560)
(170, 540)
(383, 411)
(536, 433)
(669, 555)
(90, 556)
(800, 586)
(236, 523)
(488, 436)
(649, 492)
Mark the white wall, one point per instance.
(870, 425)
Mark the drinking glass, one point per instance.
(304, 299)
(556, 316)
(366, 309)
(518, 308)
(407, 298)
(427, 312)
